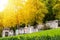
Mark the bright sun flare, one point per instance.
(3, 4)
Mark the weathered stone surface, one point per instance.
(7, 32)
(40, 26)
(52, 24)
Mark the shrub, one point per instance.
(53, 34)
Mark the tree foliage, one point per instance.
(50, 4)
(56, 10)
(19, 12)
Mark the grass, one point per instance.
(53, 34)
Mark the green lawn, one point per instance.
(53, 34)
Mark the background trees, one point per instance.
(41, 12)
(50, 4)
(56, 11)
(23, 12)
(33, 11)
(26, 12)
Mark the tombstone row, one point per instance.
(7, 32)
(30, 29)
(53, 24)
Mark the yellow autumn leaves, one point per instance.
(22, 11)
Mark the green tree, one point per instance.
(50, 4)
(56, 11)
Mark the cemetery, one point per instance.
(30, 29)
(52, 34)
(29, 19)
(26, 30)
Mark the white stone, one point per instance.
(4, 33)
(30, 29)
(21, 30)
(11, 33)
(25, 30)
(16, 32)
(52, 24)
(40, 26)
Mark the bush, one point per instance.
(53, 34)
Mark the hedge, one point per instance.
(53, 34)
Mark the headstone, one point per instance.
(11, 33)
(5, 32)
(30, 29)
(17, 31)
(25, 30)
(36, 30)
(21, 31)
(40, 26)
(52, 24)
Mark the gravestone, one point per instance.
(30, 29)
(11, 33)
(25, 29)
(36, 30)
(40, 26)
(21, 31)
(17, 32)
(5, 32)
(52, 24)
